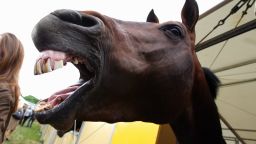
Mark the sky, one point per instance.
(20, 16)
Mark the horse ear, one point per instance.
(152, 17)
(190, 14)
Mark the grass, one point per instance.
(25, 135)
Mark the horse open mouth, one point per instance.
(68, 36)
(50, 60)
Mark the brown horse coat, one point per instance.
(129, 71)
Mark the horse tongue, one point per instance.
(63, 92)
(56, 98)
(61, 95)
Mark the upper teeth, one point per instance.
(51, 60)
(58, 64)
(48, 66)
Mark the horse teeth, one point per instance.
(47, 66)
(58, 64)
(75, 61)
(41, 106)
(41, 67)
(37, 68)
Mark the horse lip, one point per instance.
(57, 117)
(51, 32)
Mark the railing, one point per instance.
(237, 140)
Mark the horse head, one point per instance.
(129, 71)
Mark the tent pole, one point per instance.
(233, 66)
(231, 129)
(238, 82)
(227, 35)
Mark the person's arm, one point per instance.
(5, 111)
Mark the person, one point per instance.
(24, 107)
(27, 114)
(11, 127)
(14, 121)
(31, 119)
(11, 59)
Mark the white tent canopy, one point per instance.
(230, 51)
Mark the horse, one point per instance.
(129, 71)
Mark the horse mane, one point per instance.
(212, 81)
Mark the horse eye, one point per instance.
(172, 31)
(176, 31)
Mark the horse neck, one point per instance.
(199, 124)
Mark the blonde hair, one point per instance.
(11, 58)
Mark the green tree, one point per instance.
(31, 99)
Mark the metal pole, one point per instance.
(74, 134)
(220, 5)
(227, 35)
(244, 130)
(244, 63)
(231, 129)
(80, 133)
(238, 82)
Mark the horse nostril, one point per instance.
(68, 15)
(88, 21)
(75, 17)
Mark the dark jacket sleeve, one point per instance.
(6, 106)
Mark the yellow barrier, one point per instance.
(117, 133)
(49, 136)
(68, 138)
(135, 133)
(96, 133)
